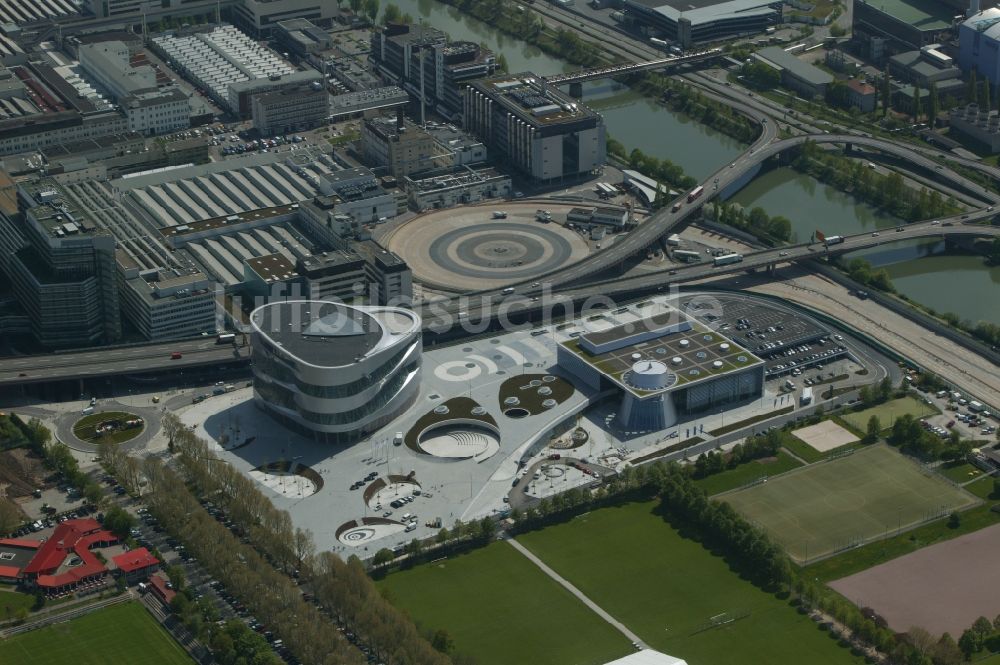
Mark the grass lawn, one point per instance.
(959, 472)
(863, 558)
(500, 608)
(745, 473)
(666, 587)
(85, 428)
(11, 601)
(123, 633)
(828, 506)
(981, 487)
(888, 412)
(802, 449)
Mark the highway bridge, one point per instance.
(569, 280)
(609, 71)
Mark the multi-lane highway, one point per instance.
(120, 360)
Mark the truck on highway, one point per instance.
(659, 43)
(695, 193)
(676, 206)
(807, 396)
(726, 259)
(687, 255)
(833, 240)
(225, 338)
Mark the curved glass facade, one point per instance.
(342, 403)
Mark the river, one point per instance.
(960, 284)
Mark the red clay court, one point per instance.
(943, 587)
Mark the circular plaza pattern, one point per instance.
(466, 249)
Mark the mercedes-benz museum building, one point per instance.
(334, 372)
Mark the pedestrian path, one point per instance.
(618, 625)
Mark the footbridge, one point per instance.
(595, 73)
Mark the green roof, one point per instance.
(922, 14)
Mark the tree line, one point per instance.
(756, 222)
(887, 192)
(687, 99)
(343, 589)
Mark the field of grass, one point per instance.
(888, 412)
(123, 633)
(85, 428)
(666, 588)
(745, 473)
(981, 487)
(959, 472)
(11, 601)
(802, 449)
(500, 608)
(831, 505)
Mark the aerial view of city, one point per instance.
(499, 332)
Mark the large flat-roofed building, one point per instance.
(800, 76)
(979, 44)
(664, 365)
(153, 9)
(688, 22)
(261, 17)
(537, 129)
(290, 109)
(906, 24)
(161, 305)
(399, 146)
(148, 108)
(468, 185)
(422, 59)
(334, 372)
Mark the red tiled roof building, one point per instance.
(72, 537)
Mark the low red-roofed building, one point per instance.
(15, 554)
(136, 565)
(50, 570)
(861, 95)
(158, 586)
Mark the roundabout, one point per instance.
(108, 427)
(465, 248)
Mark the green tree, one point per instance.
(954, 520)
(118, 521)
(874, 429)
(933, 104)
(371, 8)
(392, 14)
(502, 63)
(442, 641)
(382, 557)
(886, 93)
(356, 5)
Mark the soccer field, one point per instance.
(123, 634)
(500, 608)
(829, 506)
(888, 412)
(667, 589)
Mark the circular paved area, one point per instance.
(466, 249)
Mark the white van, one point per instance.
(412, 526)
(499, 214)
(87, 411)
(407, 517)
(398, 439)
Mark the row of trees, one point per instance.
(689, 100)
(982, 635)
(388, 632)
(754, 447)
(861, 271)
(756, 222)
(885, 191)
(272, 596)
(910, 437)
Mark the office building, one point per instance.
(459, 187)
(261, 17)
(399, 146)
(155, 9)
(302, 37)
(535, 128)
(161, 305)
(861, 95)
(334, 372)
(63, 272)
(359, 194)
(148, 108)
(687, 23)
(423, 62)
(290, 109)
